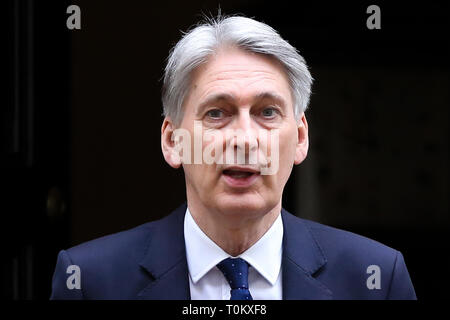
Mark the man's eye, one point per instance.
(215, 114)
(269, 112)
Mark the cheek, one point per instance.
(200, 171)
(212, 147)
(288, 143)
(287, 149)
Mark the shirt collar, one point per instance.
(203, 254)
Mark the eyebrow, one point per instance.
(271, 96)
(230, 98)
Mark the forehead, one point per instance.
(241, 74)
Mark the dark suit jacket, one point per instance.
(149, 262)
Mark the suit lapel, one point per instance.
(165, 260)
(302, 258)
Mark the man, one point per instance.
(234, 96)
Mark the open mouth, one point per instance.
(237, 174)
(240, 177)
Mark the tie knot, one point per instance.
(235, 271)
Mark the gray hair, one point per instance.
(205, 39)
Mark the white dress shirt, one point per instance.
(207, 282)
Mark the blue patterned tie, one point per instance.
(235, 271)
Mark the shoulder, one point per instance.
(128, 243)
(352, 261)
(124, 246)
(109, 263)
(339, 243)
(94, 266)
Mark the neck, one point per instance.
(232, 232)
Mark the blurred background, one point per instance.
(81, 118)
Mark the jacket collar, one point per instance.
(302, 258)
(165, 260)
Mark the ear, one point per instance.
(302, 146)
(167, 145)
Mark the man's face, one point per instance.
(247, 93)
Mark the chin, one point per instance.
(243, 204)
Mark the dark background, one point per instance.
(81, 118)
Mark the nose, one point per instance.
(243, 120)
(243, 138)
